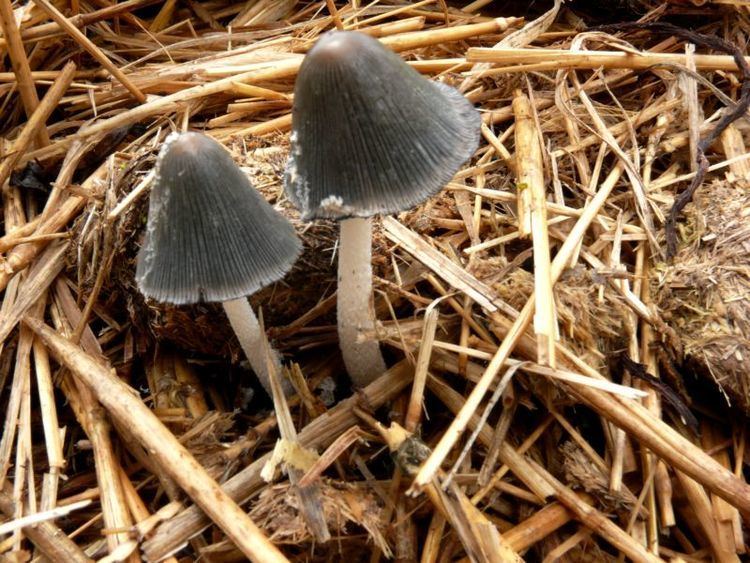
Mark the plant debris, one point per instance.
(568, 371)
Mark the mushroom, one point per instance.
(212, 237)
(369, 135)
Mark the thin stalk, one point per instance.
(247, 329)
(362, 356)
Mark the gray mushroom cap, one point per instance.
(210, 236)
(370, 134)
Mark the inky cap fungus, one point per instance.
(370, 134)
(211, 236)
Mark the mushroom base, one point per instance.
(246, 327)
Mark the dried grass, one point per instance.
(541, 466)
(703, 292)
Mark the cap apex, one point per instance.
(189, 143)
(336, 45)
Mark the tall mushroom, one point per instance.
(369, 135)
(212, 237)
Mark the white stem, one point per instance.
(246, 327)
(362, 356)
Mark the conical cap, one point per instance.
(369, 134)
(211, 236)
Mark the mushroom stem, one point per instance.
(362, 357)
(247, 329)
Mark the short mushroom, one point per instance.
(212, 237)
(370, 135)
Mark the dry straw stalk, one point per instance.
(558, 291)
(172, 458)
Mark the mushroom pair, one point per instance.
(370, 136)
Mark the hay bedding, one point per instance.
(543, 467)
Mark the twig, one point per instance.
(97, 426)
(334, 14)
(553, 59)
(48, 266)
(729, 116)
(503, 353)
(320, 432)
(50, 540)
(311, 503)
(82, 20)
(414, 410)
(86, 44)
(20, 64)
(172, 457)
(479, 537)
(442, 266)
(532, 220)
(37, 120)
(34, 519)
(496, 394)
(339, 445)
